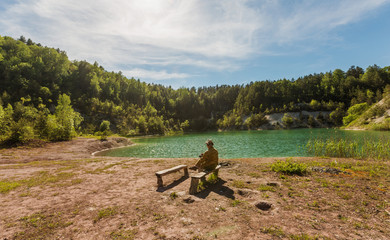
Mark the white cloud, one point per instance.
(210, 34)
(139, 73)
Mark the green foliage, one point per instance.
(41, 75)
(173, 195)
(255, 120)
(6, 186)
(354, 112)
(42, 225)
(68, 120)
(105, 212)
(289, 167)
(287, 120)
(104, 130)
(343, 148)
(26, 122)
(5, 121)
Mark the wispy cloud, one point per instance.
(168, 34)
(139, 73)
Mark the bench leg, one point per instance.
(216, 172)
(159, 181)
(186, 172)
(194, 186)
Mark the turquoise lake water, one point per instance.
(237, 144)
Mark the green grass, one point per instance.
(264, 188)
(41, 225)
(42, 178)
(239, 184)
(236, 202)
(343, 148)
(105, 213)
(289, 167)
(123, 234)
(274, 231)
(6, 186)
(173, 195)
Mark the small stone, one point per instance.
(263, 206)
(188, 200)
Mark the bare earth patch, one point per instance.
(60, 191)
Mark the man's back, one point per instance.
(210, 158)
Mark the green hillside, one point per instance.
(39, 86)
(375, 117)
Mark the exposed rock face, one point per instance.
(303, 119)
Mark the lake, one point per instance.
(236, 144)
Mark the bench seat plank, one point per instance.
(201, 176)
(161, 173)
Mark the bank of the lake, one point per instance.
(238, 144)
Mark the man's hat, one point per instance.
(210, 142)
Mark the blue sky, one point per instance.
(204, 43)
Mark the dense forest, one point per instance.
(45, 95)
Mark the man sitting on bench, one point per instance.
(208, 160)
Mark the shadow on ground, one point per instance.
(218, 188)
(172, 185)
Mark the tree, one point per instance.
(68, 120)
(104, 130)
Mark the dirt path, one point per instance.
(60, 191)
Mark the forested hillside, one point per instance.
(44, 94)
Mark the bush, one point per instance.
(104, 130)
(287, 120)
(354, 112)
(289, 167)
(21, 132)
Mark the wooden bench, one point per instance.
(168, 171)
(201, 176)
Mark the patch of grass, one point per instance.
(274, 231)
(236, 202)
(304, 236)
(103, 169)
(342, 218)
(213, 178)
(123, 234)
(345, 195)
(44, 178)
(254, 175)
(173, 195)
(221, 231)
(6, 186)
(289, 167)
(314, 204)
(158, 216)
(105, 213)
(344, 148)
(41, 225)
(264, 188)
(239, 184)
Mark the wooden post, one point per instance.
(194, 185)
(186, 172)
(159, 181)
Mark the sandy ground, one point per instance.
(61, 191)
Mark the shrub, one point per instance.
(287, 120)
(354, 112)
(289, 167)
(104, 130)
